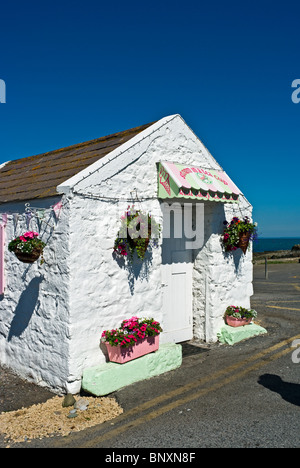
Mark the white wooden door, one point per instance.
(177, 270)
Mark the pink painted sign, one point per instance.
(2, 241)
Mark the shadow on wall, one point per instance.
(236, 255)
(25, 308)
(137, 269)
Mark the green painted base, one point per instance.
(232, 335)
(109, 377)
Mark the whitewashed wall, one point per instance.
(34, 310)
(52, 316)
(104, 292)
(220, 279)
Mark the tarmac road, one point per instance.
(246, 395)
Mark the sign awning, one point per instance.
(196, 183)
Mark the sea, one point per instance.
(264, 244)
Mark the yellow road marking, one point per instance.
(273, 282)
(279, 307)
(174, 404)
(296, 286)
(284, 302)
(203, 380)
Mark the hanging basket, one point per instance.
(140, 245)
(136, 223)
(28, 257)
(244, 241)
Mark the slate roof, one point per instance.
(38, 176)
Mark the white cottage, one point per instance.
(52, 315)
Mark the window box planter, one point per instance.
(237, 322)
(121, 354)
(135, 338)
(237, 316)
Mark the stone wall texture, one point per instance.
(34, 310)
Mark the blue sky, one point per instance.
(78, 70)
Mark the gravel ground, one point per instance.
(51, 418)
(28, 412)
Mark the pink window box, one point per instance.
(237, 322)
(121, 355)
